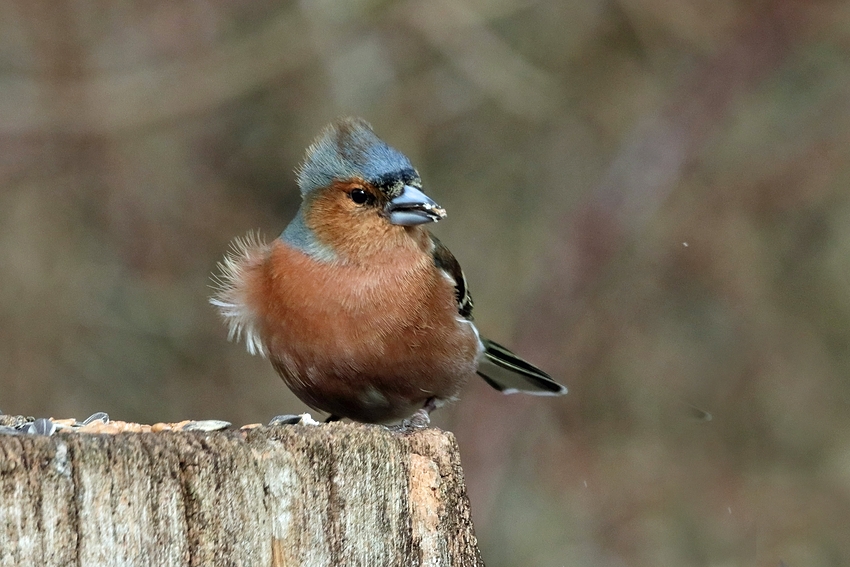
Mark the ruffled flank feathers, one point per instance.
(232, 286)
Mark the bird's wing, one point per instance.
(499, 367)
(445, 261)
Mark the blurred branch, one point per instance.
(642, 175)
(462, 36)
(158, 92)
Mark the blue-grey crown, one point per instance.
(349, 149)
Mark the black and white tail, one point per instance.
(510, 374)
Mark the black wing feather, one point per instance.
(499, 367)
(445, 260)
(508, 373)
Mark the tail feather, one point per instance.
(510, 374)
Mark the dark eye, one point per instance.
(360, 196)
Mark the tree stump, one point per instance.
(335, 494)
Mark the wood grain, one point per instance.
(336, 494)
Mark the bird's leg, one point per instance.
(331, 418)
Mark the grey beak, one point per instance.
(413, 207)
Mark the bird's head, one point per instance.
(357, 190)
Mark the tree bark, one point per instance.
(336, 494)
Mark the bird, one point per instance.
(363, 313)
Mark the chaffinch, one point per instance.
(362, 311)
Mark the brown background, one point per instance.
(649, 197)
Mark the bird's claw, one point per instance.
(419, 420)
(293, 419)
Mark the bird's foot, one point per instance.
(419, 420)
(293, 419)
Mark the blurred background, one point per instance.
(649, 198)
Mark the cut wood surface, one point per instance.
(335, 494)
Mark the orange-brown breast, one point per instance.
(369, 341)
